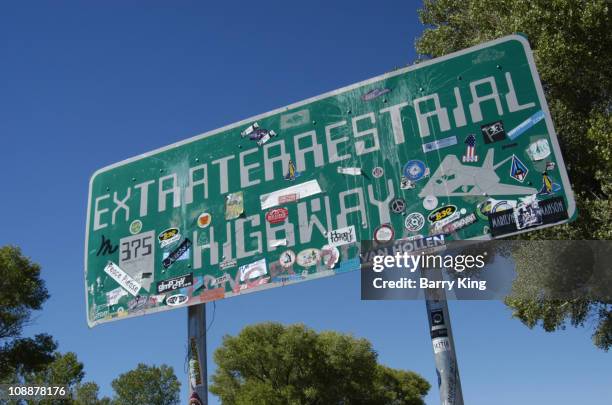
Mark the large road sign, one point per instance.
(461, 145)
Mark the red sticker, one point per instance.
(277, 215)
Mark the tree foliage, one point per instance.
(272, 364)
(571, 41)
(147, 385)
(21, 292)
(87, 394)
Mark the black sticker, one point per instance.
(551, 210)
(175, 283)
(176, 254)
(441, 213)
(437, 317)
(493, 132)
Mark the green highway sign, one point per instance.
(461, 145)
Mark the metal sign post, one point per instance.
(196, 343)
(442, 341)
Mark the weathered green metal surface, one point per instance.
(354, 145)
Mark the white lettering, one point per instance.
(360, 148)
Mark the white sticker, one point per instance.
(378, 172)
(440, 344)
(384, 233)
(351, 171)
(330, 256)
(539, 150)
(414, 221)
(342, 236)
(308, 257)
(287, 258)
(176, 300)
(298, 191)
(439, 224)
(430, 202)
(227, 263)
(277, 242)
(253, 270)
(115, 295)
(122, 278)
(137, 255)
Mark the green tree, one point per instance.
(65, 370)
(571, 41)
(21, 292)
(147, 385)
(87, 394)
(271, 364)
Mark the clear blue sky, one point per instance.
(85, 84)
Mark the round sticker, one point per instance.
(442, 213)
(502, 205)
(308, 257)
(135, 226)
(414, 222)
(287, 258)
(414, 170)
(384, 233)
(277, 215)
(177, 299)
(378, 172)
(430, 202)
(168, 237)
(397, 205)
(484, 209)
(330, 256)
(204, 220)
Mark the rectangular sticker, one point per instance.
(296, 192)
(253, 270)
(493, 132)
(440, 344)
(121, 277)
(227, 263)
(547, 212)
(342, 236)
(351, 171)
(176, 254)
(294, 119)
(439, 144)
(525, 125)
(175, 283)
(136, 256)
(113, 296)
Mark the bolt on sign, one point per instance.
(461, 145)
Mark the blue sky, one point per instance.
(86, 84)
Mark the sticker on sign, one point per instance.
(122, 278)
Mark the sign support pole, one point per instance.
(196, 343)
(441, 334)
